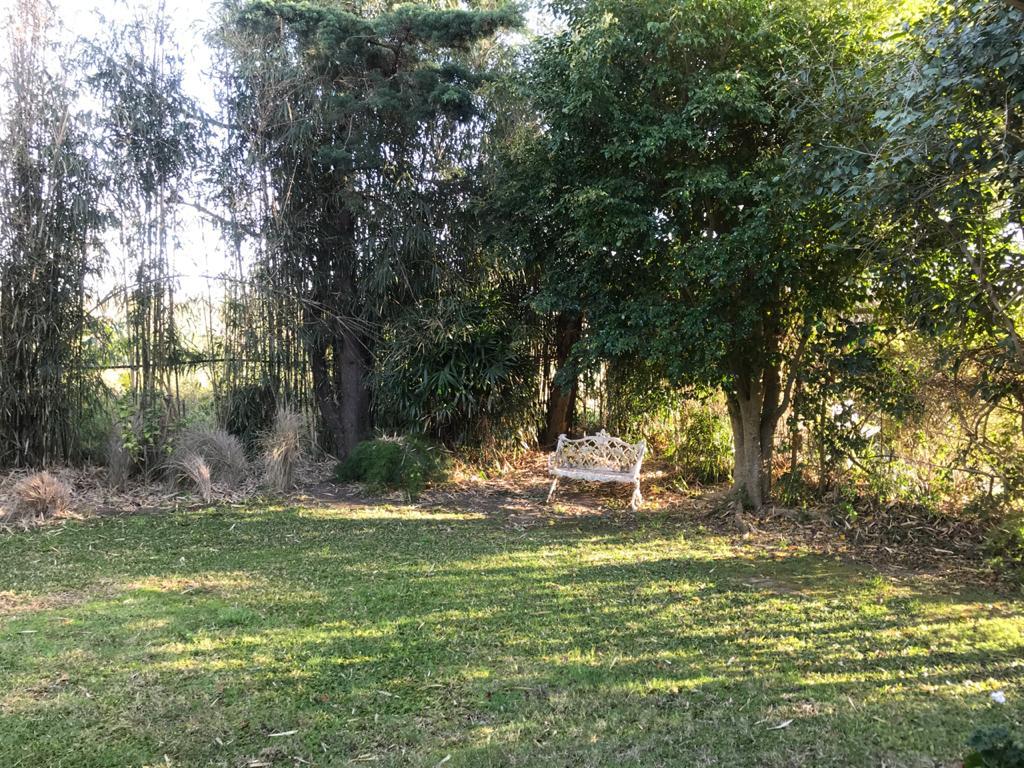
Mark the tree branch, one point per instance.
(177, 199)
(994, 303)
(794, 367)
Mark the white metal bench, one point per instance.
(601, 458)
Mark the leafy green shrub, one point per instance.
(94, 422)
(640, 404)
(1005, 542)
(703, 446)
(994, 748)
(793, 490)
(896, 480)
(1001, 515)
(460, 370)
(408, 463)
(689, 428)
(141, 440)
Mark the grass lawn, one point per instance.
(270, 636)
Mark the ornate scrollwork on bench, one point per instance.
(600, 458)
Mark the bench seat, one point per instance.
(598, 458)
(595, 475)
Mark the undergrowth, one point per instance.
(388, 463)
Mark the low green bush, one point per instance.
(460, 370)
(1005, 543)
(1002, 517)
(408, 463)
(248, 412)
(793, 490)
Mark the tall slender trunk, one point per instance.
(354, 363)
(341, 389)
(326, 397)
(340, 357)
(562, 399)
(795, 436)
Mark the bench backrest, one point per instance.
(600, 451)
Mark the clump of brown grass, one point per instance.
(282, 449)
(37, 497)
(187, 467)
(222, 452)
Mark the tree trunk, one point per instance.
(754, 411)
(342, 390)
(340, 357)
(795, 436)
(562, 399)
(354, 364)
(326, 397)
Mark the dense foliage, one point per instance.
(50, 219)
(994, 748)
(672, 128)
(458, 370)
(361, 128)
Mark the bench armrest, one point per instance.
(553, 456)
(640, 458)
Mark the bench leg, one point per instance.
(551, 493)
(638, 499)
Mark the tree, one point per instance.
(942, 187)
(49, 224)
(149, 140)
(931, 186)
(348, 116)
(677, 128)
(528, 233)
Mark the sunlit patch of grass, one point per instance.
(227, 582)
(358, 512)
(403, 636)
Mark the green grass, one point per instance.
(392, 637)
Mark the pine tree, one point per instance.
(342, 114)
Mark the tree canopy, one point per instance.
(359, 126)
(669, 141)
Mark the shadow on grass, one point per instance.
(402, 638)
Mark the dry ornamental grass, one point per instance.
(222, 452)
(38, 497)
(118, 459)
(282, 450)
(188, 467)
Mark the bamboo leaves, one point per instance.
(49, 219)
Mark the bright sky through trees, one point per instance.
(198, 256)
